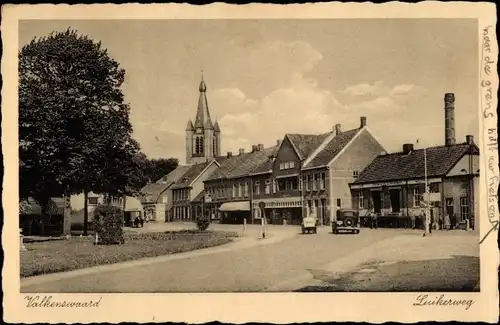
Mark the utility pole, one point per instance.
(426, 196)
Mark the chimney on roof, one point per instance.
(229, 154)
(254, 148)
(338, 129)
(278, 142)
(469, 139)
(362, 122)
(260, 146)
(407, 148)
(449, 119)
(242, 151)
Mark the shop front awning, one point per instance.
(235, 206)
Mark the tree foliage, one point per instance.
(157, 168)
(74, 127)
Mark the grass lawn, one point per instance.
(80, 252)
(456, 274)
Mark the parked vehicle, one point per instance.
(347, 220)
(309, 224)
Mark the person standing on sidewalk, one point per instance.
(374, 219)
(447, 222)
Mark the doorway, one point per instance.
(395, 200)
(377, 201)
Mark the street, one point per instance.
(283, 265)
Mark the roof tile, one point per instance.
(399, 166)
(333, 148)
(306, 143)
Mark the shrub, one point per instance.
(203, 222)
(108, 223)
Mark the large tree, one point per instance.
(74, 126)
(159, 167)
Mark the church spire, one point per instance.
(202, 114)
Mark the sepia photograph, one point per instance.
(254, 155)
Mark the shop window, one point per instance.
(361, 200)
(464, 208)
(416, 197)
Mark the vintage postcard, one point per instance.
(253, 163)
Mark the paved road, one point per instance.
(242, 270)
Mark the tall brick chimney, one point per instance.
(449, 119)
(338, 129)
(362, 122)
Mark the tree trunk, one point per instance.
(85, 212)
(124, 206)
(67, 215)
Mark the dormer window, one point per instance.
(355, 174)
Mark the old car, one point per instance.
(347, 220)
(309, 224)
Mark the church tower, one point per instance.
(202, 137)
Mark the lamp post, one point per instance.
(426, 198)
(426, 194)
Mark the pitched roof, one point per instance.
(242, 165)
(399, 166)
(190, 175)
(333, 148)
(202, 113)
(306, 143)
(156, 189)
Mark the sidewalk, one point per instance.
(406, 249)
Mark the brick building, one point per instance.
(326, 174)
(392, 186)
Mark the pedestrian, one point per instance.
(412, 218)
(374, 221)
(141, 220)
(447, 222)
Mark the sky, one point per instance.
(266, 78)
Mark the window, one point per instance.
(93, 200)
(256, 188)
(355, 174)
(274, 186)
(361, 200)
(416, 197)
(339, 203)
(322, 182)
(240, 190)
(315, 182)
(199, 145)
(307, 182)
(287, 165)
(215, 147)
(235, 190)
(246, 190)
(292, 164)
(268, 186)
(464, 208)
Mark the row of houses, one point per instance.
(322, 173)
